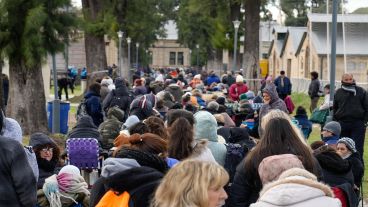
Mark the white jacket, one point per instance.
(296, 188)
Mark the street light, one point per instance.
(136, 55)
(190, 57)
(129, 40)
(236, 26)
(120, 51)
(197, 46)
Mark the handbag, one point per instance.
(319, 116)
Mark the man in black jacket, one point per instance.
(313, 90)
(18, 184)
(350, 109)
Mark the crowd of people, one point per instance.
(178, 138)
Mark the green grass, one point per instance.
(300, 99)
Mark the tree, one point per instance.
(251, 38)
(94, 31)
(296, 12)
(30, 29)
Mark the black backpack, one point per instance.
(123, 102)
(235, 153)
(82, 109)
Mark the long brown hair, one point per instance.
(181, 135)
(156, 126)
(279, 138)
(150, 143)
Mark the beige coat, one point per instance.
(296, 188)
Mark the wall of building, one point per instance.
(161, 54)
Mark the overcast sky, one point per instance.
(350, 6)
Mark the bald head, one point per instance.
(347, 78)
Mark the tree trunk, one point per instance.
(27, 97)
(251, 41)
(94, 44)
(2, 102)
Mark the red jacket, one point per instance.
(236, 90)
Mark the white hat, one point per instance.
(198, 76)
(70, 169)
(239, 79)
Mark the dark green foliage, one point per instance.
(32, 28)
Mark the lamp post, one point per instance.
(197, 46)
(190, 57)
(120, 51)
(129, 40)
(236, 26)
(136, 54)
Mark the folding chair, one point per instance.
(84, 154)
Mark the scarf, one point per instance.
(48, 166)
(349, 87)
(64, 188)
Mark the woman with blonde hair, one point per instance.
(192, 184)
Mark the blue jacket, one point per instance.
(287, 86)
(94, 108)
(212, 79)
(305, 124)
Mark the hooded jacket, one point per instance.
(176, 91)
(110, 128)
(12, 130)
(205, 127)
(275, 103)
(94, 109)
(296, 188)
(236, 90)
(85, 128)
(37, 140)
(120, 91)
(213, 78)
(126, 176)
(18, 186)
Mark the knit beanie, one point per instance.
(142, 106)
(221, 100)
(333, 127)
(131, 120)
(213, 105)
(144, 158)
(250, 95)
(271, 167)
(70, 169)
(350, 144)
(243, 97)
(239, 79)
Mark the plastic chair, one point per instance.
(84, 154)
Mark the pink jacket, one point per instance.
(236, 90)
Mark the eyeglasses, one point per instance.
(47, 150)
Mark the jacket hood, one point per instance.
(113, 166)
(331, 161)
(89, 94)
(12, 130)
(116, 112)
(238, 134)
(132, 178)
(40, 138)
(270, 89)
(294, 186)
(85, 122)
(131, 120)
(174, 86)
(119, 82)
(205, 126)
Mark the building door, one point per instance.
(288, 69)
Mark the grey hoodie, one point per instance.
(12, 130)
(116, 165)
(275, 103)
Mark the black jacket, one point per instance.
(347, 107)
(357, 168)
(18, 185)
(85, 128)
(314, 88)
(124, 95)
(128, 180)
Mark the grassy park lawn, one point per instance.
(300, 99)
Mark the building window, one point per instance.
(180, 58)
(172, 60)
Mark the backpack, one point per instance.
(109, 130)
(133, 198)
(235, 153)
(82, 109)
(121, 101)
